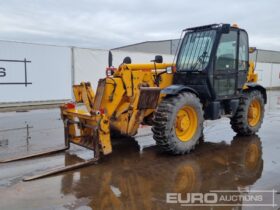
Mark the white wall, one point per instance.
(275, 76)
(89, 65)
(264, 71)
(273, 100)
(49, 71)
(269, 74)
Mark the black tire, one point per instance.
(239, 122)
(164, 120)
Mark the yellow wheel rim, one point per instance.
(186, 123)
(254, 113)
(252, 156)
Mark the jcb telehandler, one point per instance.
(212, 78)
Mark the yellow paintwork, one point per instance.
(186, 123)
(119, 101)
(84, 93)
(251, 76)
(128, 79)
(254, 113)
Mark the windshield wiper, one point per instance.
(201, 58)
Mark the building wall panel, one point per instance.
(89, 65)
(30, 72)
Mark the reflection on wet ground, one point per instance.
(126, 179)
(136, 175)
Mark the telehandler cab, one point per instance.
(212, 78)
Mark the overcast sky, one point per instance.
(107, 24)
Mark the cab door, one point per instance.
(225, 66)
(243, 59)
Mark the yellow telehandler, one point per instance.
(212, 78)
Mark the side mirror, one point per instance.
(127, 60)
(158, 59)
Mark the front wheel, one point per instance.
(249, 115)
(178, 123)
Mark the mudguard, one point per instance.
(253, 85)
(175, 89)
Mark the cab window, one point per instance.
(243, 52)
(226, 52)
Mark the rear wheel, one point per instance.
(249, 115)
(178, 123)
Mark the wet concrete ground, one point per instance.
(136, 175)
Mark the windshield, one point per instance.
(195, 50)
